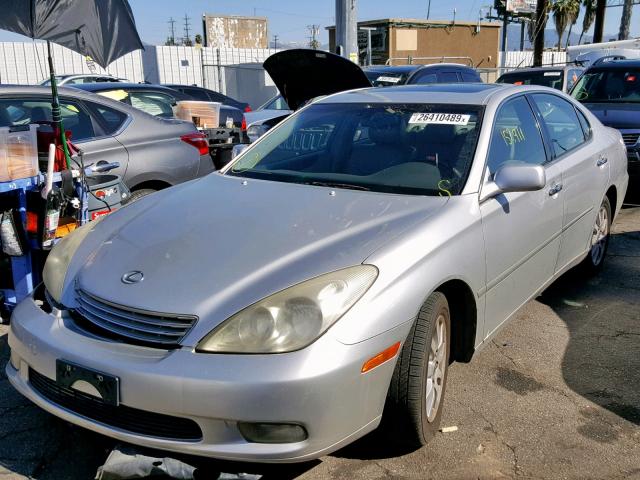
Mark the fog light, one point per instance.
(272, 432)
(14, 359)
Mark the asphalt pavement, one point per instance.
(556, 394)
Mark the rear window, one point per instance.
(546, 78)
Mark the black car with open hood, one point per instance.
(303, 74)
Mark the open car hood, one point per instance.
(303, 74)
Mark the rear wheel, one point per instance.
(599, 239)
(414, 401)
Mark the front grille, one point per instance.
(122, 417)
(630, 138)
(129, 325)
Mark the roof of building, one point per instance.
(422, 23)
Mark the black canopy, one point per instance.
(102, 29)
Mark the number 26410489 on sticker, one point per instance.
(439, 118)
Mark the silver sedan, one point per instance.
(274, 311)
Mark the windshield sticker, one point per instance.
(512, 135)
(439, 119)
(384, 78)
(551, 74)
(444, 186)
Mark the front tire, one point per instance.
(414, 402)
(594, 261)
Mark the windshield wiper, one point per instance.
(348, 186)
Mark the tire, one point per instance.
(138, 194)
(599, 243)
(408, 415)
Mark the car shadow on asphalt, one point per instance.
(602, 313)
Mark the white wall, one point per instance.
(26, 63)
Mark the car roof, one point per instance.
(99, 86)
(454, 93)
(541, 69)
(69, 92)
(615, 64)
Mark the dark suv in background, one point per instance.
(611, 91)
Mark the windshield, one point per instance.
(416, 149)
(546, 78)
(619, 85)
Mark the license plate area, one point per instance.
(108, 386)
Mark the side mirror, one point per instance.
(515, 178)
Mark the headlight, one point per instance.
(293, 318)
(55, 268)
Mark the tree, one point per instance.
(589, 17)
(625, 20)
(199, 38)
(564, 13)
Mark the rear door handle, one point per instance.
(555, 189)
(602, 161)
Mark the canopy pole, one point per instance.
(56, 116)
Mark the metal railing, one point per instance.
(409, 59)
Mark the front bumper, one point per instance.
(319, 387)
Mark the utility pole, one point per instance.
(187, 36)
(172, 26)
(538, 39)
(347, 29)
(598, 29)
(275, 42)
(428, 9)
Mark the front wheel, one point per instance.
(414, 401)
(599, 239)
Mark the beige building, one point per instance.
(402, 40)
(233, 31)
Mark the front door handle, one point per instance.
(602, 161)
(555, 189)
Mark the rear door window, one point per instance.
(110, 119)
(561, 122)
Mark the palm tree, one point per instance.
(589, 17)
(625, 20)
(564, 13)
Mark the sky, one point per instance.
(289, 18)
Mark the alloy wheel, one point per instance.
(436, 367)
(599, 236)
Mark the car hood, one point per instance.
(301, 75)
(616, 115)
(216, 245)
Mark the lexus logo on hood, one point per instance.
(135, 276)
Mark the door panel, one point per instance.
(521, 229)
(585, 176)
(522, 240)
